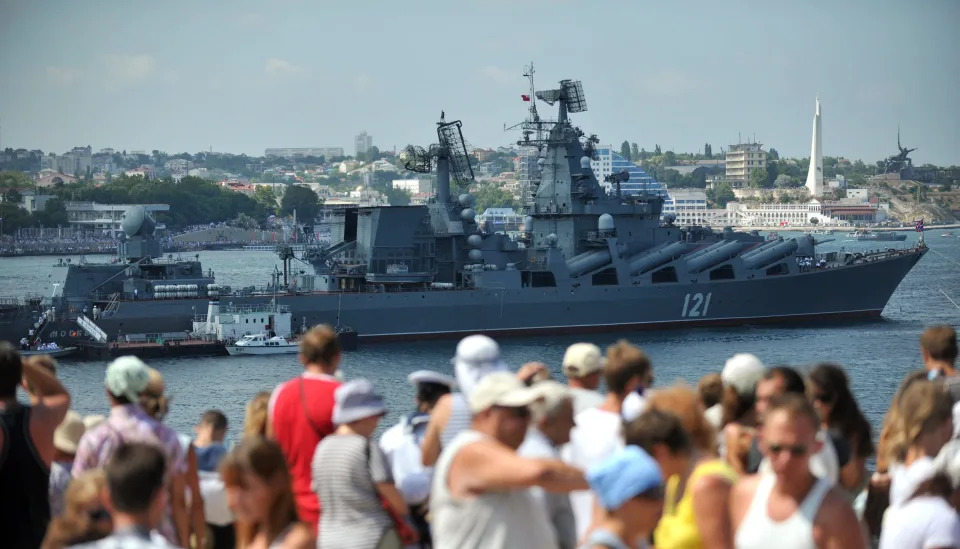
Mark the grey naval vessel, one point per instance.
(590, 258)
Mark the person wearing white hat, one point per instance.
(740, 376)
(479, 498)
(401, 445)
(351, 475)
(599, 431)
(476, 357)
(65, 440)
(583, 365)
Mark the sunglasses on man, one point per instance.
(795, 450)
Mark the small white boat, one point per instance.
(262, 344)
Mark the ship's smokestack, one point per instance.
(443, 178)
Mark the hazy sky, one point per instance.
(239, 76)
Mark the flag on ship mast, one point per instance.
(919, 225)
(525, 97)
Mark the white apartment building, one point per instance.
(778, 215)
(105, 218)
(688, 205)
(741, 159)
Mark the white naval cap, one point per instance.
(429, 376)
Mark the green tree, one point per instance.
(669, 158)
(814, 220)
(12, 195)
(643, 155)
(783, 181)
(720, 194)
(758, 179)
(302, 199)
(657, 151)
(264, 195)
(14, 217)
(773, 154)
(54, 213)
(625, 150)
(634, 152)
(707, 150)
(490, 196)
(772, 173)
(15, 180)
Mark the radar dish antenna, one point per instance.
(570, 93)
(417, 159)
(452, 143)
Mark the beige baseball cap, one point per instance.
(501, 389)
(582, 359)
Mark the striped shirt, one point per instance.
(346, 469)
(459, 421)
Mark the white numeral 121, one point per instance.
(697, 301)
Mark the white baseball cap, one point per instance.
(500, 389)
(582, 359)
(742, 372)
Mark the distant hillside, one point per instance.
(935, 205)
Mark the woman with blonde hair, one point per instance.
(924, 425)
(260, 495)
(85, 517)
(690, 520)
(156, 404)
(255, 417)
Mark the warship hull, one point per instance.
(834, 293)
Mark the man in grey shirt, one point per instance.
(551, 418)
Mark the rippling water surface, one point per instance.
(876, 354)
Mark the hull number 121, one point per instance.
(696, 305)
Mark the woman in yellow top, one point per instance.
(695, 502)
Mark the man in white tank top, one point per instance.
(479, 498)
(790, 508)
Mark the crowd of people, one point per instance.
(490, 457)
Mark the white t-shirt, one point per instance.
(921, 523)
(598, 434)
(904, 479)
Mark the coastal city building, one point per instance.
(607, 161)
(49, 178)
(741, 160)
(528, 175)
(413, 186)
(105, 218)
(362, 143)
(689, 206)
(76, 161)
(293, 152)
(501, 220)
(815, 173)
(31, 200)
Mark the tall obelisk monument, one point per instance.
(815, 174)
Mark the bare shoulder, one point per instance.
(710, 483)
(836, 524)
(743, 490)
(835, 511)
(299, 537)
(441, 410)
